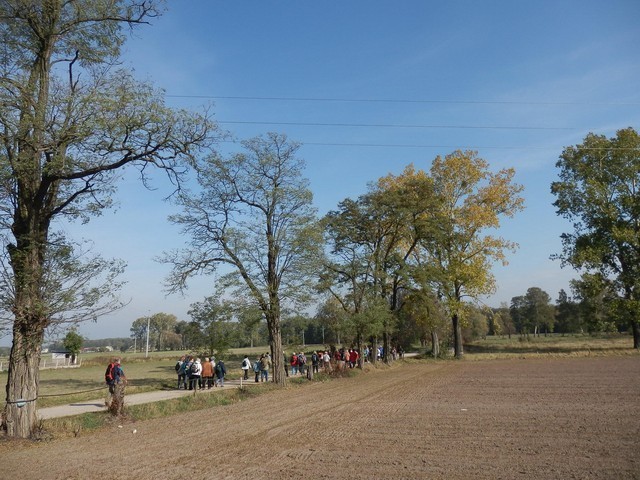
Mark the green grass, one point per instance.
(155, 372)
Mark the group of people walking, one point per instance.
(194, 374)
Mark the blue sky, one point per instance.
(516, 81)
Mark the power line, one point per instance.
(391, 125)
(389, 100)
(457, 147)
(405, 145)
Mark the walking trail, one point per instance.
(98, 405)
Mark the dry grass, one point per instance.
(549, 346)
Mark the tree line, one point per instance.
(407, 257)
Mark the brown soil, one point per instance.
(501, 419)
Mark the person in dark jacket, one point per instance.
(220, 371)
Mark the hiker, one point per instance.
(116, 380)
(194, 374)
(294, 363)
(186, 367)
(315, 360)
(220, 372)
(302, 361)
(114, 375)
(246, 365)
(180, 371)
(326, 361)
(353, 358)
(265, 363)
(207, 374)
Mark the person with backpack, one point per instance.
(186, 367)
(220, 372)
(180, 371)
(315, 361)
(294, 363)
(265, 363)
(195, 371)
(246, 365)
(302, 361)
(115, 378)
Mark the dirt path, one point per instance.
(555, 418)
(98, 405)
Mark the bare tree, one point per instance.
(255, 215)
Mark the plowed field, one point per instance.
(502, 419)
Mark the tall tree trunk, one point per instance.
(30, 321)
(435, 344)
(635, 328)
(386, 345)
(360, 351)
(22, 382)
(275, 342)
(457, 336)
(374, 350)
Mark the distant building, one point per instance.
(65, 355)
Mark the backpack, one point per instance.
(256, 366)
(109, 373)
(178, 365)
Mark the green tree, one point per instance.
(359, 270)
(73, 343)
(373, 242)
(69, 123)
(477, 324)
(193, 337)
(533, 311)
(77, 285)
(423, 311)
(161, 325)
(517, 313)
(214, 317)
(539, 310)
(255, 215)
(568, 319)
(249, 318)
(597, 300)
(502, 321)
(599, 192)
(460, 252)
(139, 332)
